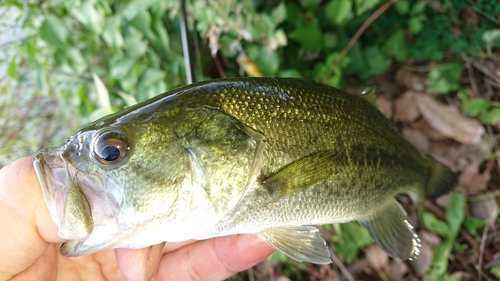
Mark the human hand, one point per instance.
(29, 244)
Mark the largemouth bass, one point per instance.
(265, 156)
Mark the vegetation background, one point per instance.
(436, 64)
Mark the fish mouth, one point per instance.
(68, 206)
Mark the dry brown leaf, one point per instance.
(417, 138)
(396, 270)
(429, 237)
(385, 106)
(405, 107)
(472, 180)
(376, 257)
(449, 121)
(423, 126)
(410, 80)
(422, 264)
(486, 209)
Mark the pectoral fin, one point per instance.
(300, 174)
(389, 227)
(301, 243)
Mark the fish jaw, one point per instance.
(68, 207)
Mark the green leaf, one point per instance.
(290, 73)
(90, 15)
(418, 7)
(455, 212)
(135, 46)
(131, 11)
(54, 32)
(354, 238)
(279, 13)
(102, 94)
(415, 24)
(129, 81)
(112, 34)
(128, 99)
(76, 60)
(402, 7)
(395, 46)
(119, 67)
(472, 224)
(142, 22)
(476, 106)
(267, 60)
(160, 37)
(310, 4)
(364, 5)
(337, 10)
(491, 117)
(440, 258)
(150, 76)
(11, 68)
(437, 226)
(444, 78)
(310, 37)
(41, 79)
(495, 271)
(375, 61)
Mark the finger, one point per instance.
(139, 264)
(213, 259)
(27, 227)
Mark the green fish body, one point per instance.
(266, 156)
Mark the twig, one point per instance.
(486, 71)
(341, 266)
(481, 251)
(218, 65)
(473, 83)
(362, 29)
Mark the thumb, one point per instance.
(27, 228)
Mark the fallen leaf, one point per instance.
(449, 121)
(486, 209)
(423, 126)
(417, 138)
(410, 79)
(429, 237)
(405, 107)
(422, 264)
(376, 257)
(385, 106)
(472, 180)
(396, 269)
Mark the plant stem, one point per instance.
(362, 29)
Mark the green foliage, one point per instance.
(487, 111)
(495, 271)
(455, 215)
(444, 78)
(350, 238)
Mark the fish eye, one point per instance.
(110, 148)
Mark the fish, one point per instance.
(267, 156)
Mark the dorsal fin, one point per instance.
(368, 94)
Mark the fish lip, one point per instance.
(56, 174)
(51, 172)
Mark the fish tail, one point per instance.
(441, 179)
